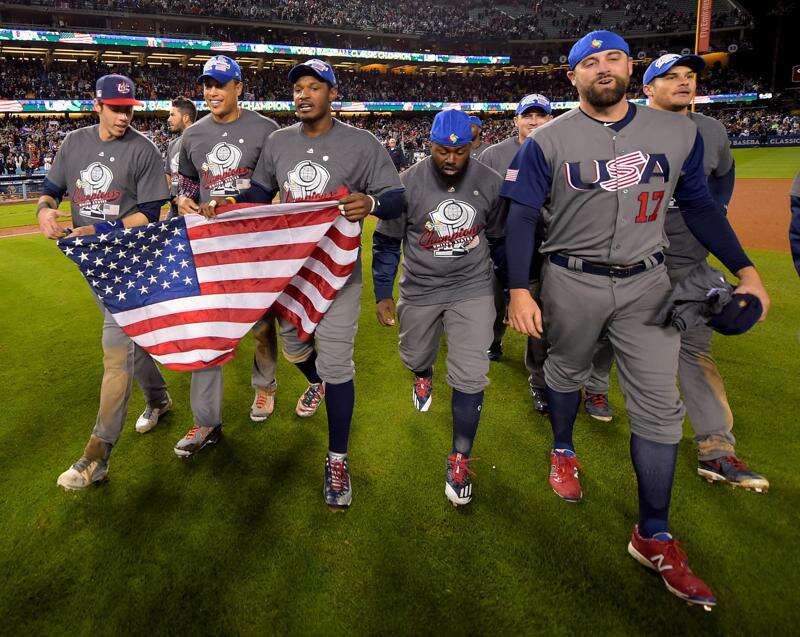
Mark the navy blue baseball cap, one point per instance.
(534, 100)
(116, 90)
(596, 42)
(451, 128)
(663, 64)
(318, 68)
(737, 316)
(475, 121)
(222, 68)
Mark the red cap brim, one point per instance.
(121, 101)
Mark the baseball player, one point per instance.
(318, 155)
(217, 157)
(794, 228)
(532, 111)
(605, 173)
(478, 145)
(113, 175)
(182, 115)
(670, 83)
(452, 205)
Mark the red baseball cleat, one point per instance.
(666, 558)
(564, 467)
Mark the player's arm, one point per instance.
(53, 191)
(188, 196)
(527, 186)
(495, 236)
(386, 242)
(263, 181)
(706, 221)
(722, 180)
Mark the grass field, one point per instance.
(767, 163)
(237, 540)
(14, 215)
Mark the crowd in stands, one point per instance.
(444, 19)
(759, 122)
(28, 144)
(29, 79)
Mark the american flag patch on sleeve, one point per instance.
(511, 174)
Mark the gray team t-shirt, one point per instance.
(474, 154)
(107, 180)
(221, 156)
(299, 166)
(796, 186)
(498, 156)
(444, 230)
(171, 170)
(684, 250)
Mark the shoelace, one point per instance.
(422, 386)
(459, 467)
(339, 478)
(191, 433)
(736, 463)
(312, 395)
(566, 465)
(261, 400)
(598, 400)
(674, 555)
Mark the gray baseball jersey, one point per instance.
(221, 156)
(475, 153)
(498, 156)
(444, 229)
(107, 180)
(684, 250)
(604, 192)
(796, 186)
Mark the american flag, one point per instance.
(188, 289)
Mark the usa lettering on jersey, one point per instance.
(622, 172)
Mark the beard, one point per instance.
(605, 96)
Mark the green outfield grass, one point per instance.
(237, 540)
(14, 215)
(767, 163)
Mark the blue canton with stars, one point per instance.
(132, 267)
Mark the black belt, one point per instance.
(616, 271)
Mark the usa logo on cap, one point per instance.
(219, 64)
(123, 88)
(596, 44)
(318, 65)
(453, 137)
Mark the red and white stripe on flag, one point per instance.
(295, 257)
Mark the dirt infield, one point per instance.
(759, 213)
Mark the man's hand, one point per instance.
(750, 283)
(386, 312)
(82, 231)
(48, 223)
(524, 314)
(209, 209)
(356, 206)
(187, 206)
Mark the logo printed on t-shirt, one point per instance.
(449, 231)
(221, 173)
(92, 195)
(307, 178)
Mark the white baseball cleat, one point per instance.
(149, 418)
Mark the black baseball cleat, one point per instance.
(734, 471)
(539, 397)
(495, 351)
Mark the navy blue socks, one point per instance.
(309, 368)
(563, 412)
(339, 402)
(654, 464)
(466, 416)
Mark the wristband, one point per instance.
(42, 206)
(374, 204)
